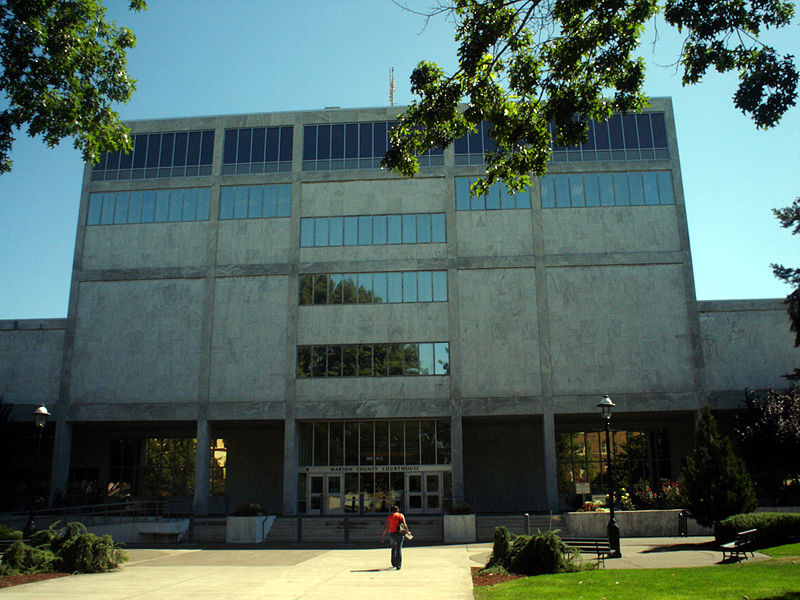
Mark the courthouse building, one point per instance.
(259, 313)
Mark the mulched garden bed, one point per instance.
(490, 578)
(11, 580)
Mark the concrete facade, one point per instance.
(192, 328)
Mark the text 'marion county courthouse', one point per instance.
(336, 338)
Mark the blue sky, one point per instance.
(241, 57)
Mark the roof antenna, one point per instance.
(392, 87)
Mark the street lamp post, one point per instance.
(605, 406)
(39, 419)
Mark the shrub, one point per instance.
(773, 528)
(253, 509)
(6, 533)
(643, 495)
(19, 557)
(69, 548)
(591, 506)
(501, 547)
(532, 555)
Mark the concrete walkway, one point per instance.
(310, 574)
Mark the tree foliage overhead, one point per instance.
(790, 219)
(524, 64)
(714, 481)
(62, 66)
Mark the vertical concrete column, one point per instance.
(289, 466)
(62, 451)
(202, 468)
(549, 453)
(457, 458)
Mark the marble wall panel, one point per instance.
(248, 353)
(137, 341)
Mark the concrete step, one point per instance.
(209, 529)
(345, 530)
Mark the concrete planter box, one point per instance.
(459, 529)
(632, 523)
(247, 530)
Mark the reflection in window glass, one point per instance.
(255, 201)
(374, 360)
(409, 286)
(424, 286)
(409, 229)
(395, 287)
(636, 190)
(440, 286)
(336, 231)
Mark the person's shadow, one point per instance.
(372, 570)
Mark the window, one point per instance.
(373, 288)
(371, 230)
(623, 137)
(635, 456)
(159, 155)
(374, 360)
(360, 443)
(630, 136)
(498, 197)
(257, 150)
(255, 201)
(634, 188)
(338, 146)
(148, 206)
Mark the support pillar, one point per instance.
(202, 469)
(62, 452)
(457, 459)
(290, 467)
(550, 467)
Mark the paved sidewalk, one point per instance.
(312, 574)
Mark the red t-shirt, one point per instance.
(394, 519)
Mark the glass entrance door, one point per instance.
(424, 492)
(325, 494)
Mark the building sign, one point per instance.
(377, 469)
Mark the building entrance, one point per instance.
(423, 492)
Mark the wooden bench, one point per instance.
(598, 546)
(741, 545)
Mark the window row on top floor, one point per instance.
(368, 230)
(257, 150)
(373, 288)
(497, 198)
(255, 201)
(374, 360)
(629, 136)
(353, 146)
(159, 155)
(149, 206)
(628, 188)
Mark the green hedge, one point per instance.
(773, 528)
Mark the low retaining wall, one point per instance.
(632, 523)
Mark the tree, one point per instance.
(714, 481)
(770, 435)
(62, 66)
(542, 69)
(790, 217)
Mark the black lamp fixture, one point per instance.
(612, 530)
(39, 420)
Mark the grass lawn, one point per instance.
(775, 579)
